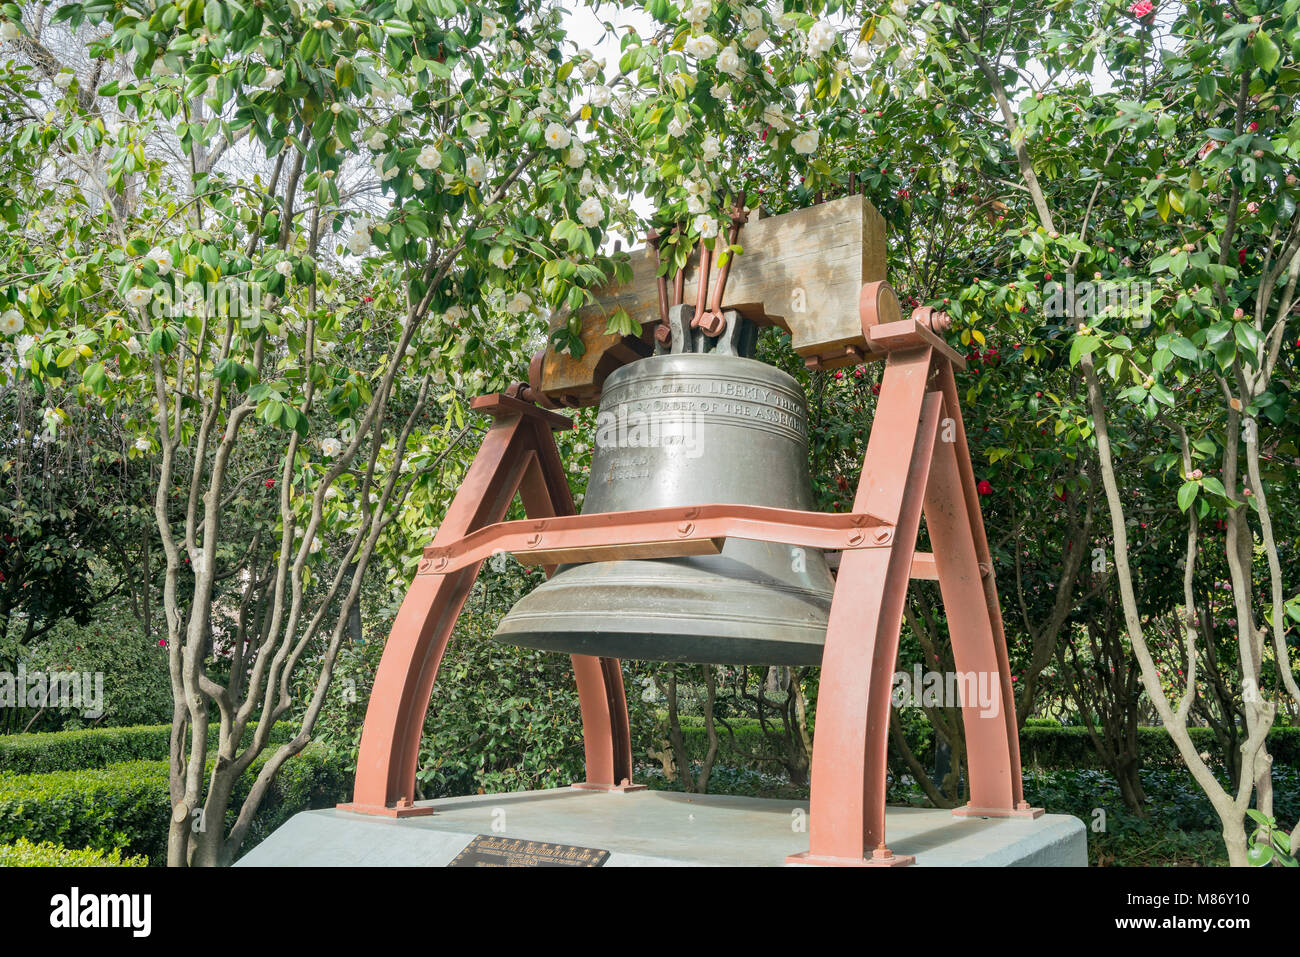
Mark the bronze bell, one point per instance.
(692, 428)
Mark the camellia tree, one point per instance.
(1155, 250)
(280, 244)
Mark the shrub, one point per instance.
(1044, 743)
(126, 806)
(23, 853)
(1046, 747)
(99, 747)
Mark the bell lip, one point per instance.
(695, 649)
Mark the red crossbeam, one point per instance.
(658, 526)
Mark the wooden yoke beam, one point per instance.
(803, 271)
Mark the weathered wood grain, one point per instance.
(803, 271)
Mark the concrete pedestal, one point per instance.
(652, 829)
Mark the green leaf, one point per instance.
(1082, 346)
(1187, 495)
(1259, 854)
(1265, 51)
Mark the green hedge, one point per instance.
(23, 853)
(1043, 744)
(127, 806)
(1071, 747)
(100, 747)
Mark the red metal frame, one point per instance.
(917, 463)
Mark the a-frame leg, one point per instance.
(964, 492)
(518, 454)
(911, 464)
(847, 799)
(606, 732)
(993, 773)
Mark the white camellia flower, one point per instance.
(701, 47)
(417, 181)
(576, 156)
(64, 79)
(806, 142)
(139, 296)
(710, 148)
(905, 55)
(586, 184)
(750, 18)
(786, 21)
(519, 304)
(455, 314)
(429, 158)
(284, 267)
(729, 61)
(820, 38)
(162, 258)
(315, 545)
(474, 169)
(557, 137)
(591, 213)
(272, 79)
(592, 68)
(439, 377)
(142, 444)
(478, 127)
(721, 91)
(698, 11)
(11, 323)
(384, 174)
(330, 447)
(600, 95)
(675, 129)
(695, 204)
(497, 256)
(377, 140)
(754, 39)
(861, 56)
(774, 116)
(706, 225)
(9, 31)
(23, 344)
(899, 7)
(132, 345)
(489, 28)
(358, 242)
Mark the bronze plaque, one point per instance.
(488, 851)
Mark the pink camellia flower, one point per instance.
(1143, 8)
(984, 487)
